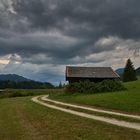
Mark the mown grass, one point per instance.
(128, 101)
(124, 118)
(20, 118)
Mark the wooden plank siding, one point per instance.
(93, 74)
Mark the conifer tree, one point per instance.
(129, 72)
(60, 85)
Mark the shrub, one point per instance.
(81, 87)
(109, 86)
(91, 87)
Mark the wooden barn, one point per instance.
(93, 74)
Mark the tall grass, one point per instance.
(22, 92)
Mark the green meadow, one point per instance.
(20, 118)
(128, 100)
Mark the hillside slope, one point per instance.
(138, 71)
(12, 77)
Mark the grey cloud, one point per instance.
(66, 32)
(104, 17)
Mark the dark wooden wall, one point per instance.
(96, 80)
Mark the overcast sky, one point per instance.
(38, 38)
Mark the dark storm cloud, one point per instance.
(84, 18)
(90, 19)
(36, 43)
(42, 32)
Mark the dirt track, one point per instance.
(86, 115)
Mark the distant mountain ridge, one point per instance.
(13, 77)
(138, 71)
(13, 81)
(120, 71)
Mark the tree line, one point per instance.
(25, 85)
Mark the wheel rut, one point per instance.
(117, 122)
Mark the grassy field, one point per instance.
(128, 101)
(8, 93)
(22, 119)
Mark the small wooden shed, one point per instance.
(93, 74)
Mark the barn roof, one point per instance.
(91, 72)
